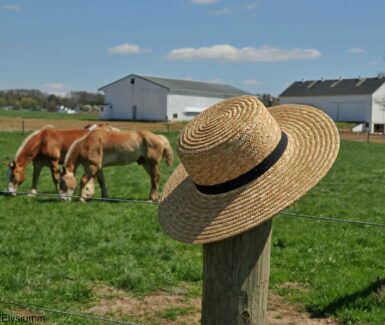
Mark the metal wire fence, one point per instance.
(287, 214)
(76, 197)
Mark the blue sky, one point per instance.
(256, 45)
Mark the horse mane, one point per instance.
(29, 138)
(93, 126)
(103, 126)
(72, 148)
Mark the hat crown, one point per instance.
(227, 140)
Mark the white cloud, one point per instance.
(203, 2)
(237, 9)
(55, 88)
(356, 50)
(251, 5)
(124, 49)
(222, 12)
(251, 82)
(11, 7)
(229, 53)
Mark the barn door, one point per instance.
(134, 112)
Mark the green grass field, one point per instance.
(54, 254)
(47, 115)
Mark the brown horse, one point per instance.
(99, 149)
(44, 147)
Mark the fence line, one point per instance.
(67, 313)
(333, 219)
(56, 195)
(288, 214)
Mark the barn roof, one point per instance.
(357, 86)
(189, 86)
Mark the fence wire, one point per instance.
(66, 313)
(77, 197)
(333, 219)
(287, 214)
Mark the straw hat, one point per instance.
(241, 165)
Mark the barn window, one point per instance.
(132, 81)
(175, 115)
(378, 128)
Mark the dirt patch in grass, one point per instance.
(26, 313)
(362, 137)
(179, 308)
(282, 313)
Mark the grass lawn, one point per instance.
(54, 254)
(25, 114)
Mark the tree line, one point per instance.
(36, 100)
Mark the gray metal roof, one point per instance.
(357, 86)
(189, 86)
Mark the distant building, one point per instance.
(137, 97)
(65, 110)
(344, 100)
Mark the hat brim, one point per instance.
(193, 217)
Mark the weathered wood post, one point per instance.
(22, 127)
(236, 278)
(240, 165)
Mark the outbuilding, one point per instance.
(360, 100)
(138, 97)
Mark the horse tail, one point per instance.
(167, 154)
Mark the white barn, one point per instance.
(137, 97)
(344, 100)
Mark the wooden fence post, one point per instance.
(236, 278)
(22, 127)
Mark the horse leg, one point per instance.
(152, 169)
(87, 185)
(35, 178)
(55, 173)
(102, 183)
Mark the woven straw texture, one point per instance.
(226, 141)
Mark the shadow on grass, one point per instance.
(46, 200)
(342, 303)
